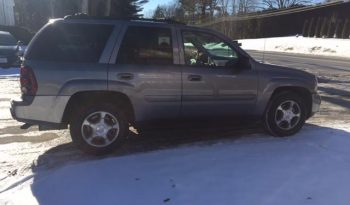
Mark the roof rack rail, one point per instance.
(85, 16)
(162, 20)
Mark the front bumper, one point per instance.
(316, 103)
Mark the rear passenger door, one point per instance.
(143, 68)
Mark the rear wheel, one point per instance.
(285, 115)
(99, 129)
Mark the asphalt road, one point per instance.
(313, 63)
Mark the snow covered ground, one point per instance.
(311, 167)
(301, 45)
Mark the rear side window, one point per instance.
(146, 45)
(70, 43)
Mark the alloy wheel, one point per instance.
(100, 129)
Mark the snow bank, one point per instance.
(301, 45)
(309, 168)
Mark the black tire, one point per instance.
(81, 115)
(274, 114)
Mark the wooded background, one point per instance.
(238, 19)
(327, 21)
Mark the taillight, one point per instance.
(29, 86)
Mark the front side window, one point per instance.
(202, 49)
(146, 45)
(71, 43)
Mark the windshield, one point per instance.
(219, 49)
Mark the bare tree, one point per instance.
(167, 11)
(159, 12)
(213, 6)
(223, 7)
(279, 4)
(246, 6)
(234, 7)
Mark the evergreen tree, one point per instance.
(127, 8)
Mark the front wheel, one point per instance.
(98, 129)
(285, 115)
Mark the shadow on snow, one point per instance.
(207, 166)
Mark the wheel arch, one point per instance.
(118, 98)
(304, 93)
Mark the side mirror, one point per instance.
(20, 49)
(20, 43)
(238, 44)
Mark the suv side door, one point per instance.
(143, 67)
(218, 80)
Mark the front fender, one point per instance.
(270, 87)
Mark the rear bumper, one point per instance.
(15, 104)
(316, 103)
(45, 111)
(42, 125)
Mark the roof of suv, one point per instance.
(146, 20)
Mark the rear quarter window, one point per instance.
(70, 43)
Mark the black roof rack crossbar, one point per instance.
(85, 16)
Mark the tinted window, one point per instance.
(146, 45)
(70, 43)
(6, 39)
(206, 49)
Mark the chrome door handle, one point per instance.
(125, 76)
(194, 78)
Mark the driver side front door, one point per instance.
(211, 88)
